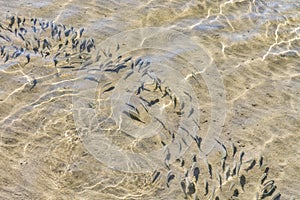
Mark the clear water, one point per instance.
(151, 92)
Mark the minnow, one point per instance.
(263, 178)
(167, 159)
(34, 82)
(253, 163)
(152, 102)
(276, 196)
(109, 89)
(170, 177)
(183, 186)
(191, 189)
(118, 47)
(219, 178)
(242, 181)
(241, 156)
(127, 59)
(188, 95)
(127, 75)
(28, 58)
(234, 150)
(227, 173)
(133, 107)
(133, 116)
(206, 187)
(224, 156)
(156, 176)
(81, 32)
(163, 125)
(185, 130)
(261, 160)
(191, 112)
(196, 173)
(198, 140)
(138, 61)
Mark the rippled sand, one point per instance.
(253, 44)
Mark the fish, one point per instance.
(196, 173)
(261, 160)
(188, 95)
(263, 178)
(224, 149)
(241, 156)
(191, 112)
(127, 75)
(81, 32)
(163, 125)
(206, 187)
(133, 116)
(191, 188)
(253, 163)
(28, 58)
(170, 177)
(242, 181)
(276, 196)
(183, 186)
(34, 82)
(234, 150)
(109, 89)
(156, 176)
(133, 107)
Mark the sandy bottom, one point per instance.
(218, 117)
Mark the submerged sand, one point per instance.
(253, 45)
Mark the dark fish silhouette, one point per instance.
(243, 181)
(133, 116)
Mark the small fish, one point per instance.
(206, 187)
(81, 32)
(219, 178)
(156, 176)
(253, 163)
(109, 89)
(34, 82)
(127, 59)
(21, 36)
(261, 160)
(263, 178)
(196, 173)
(118, 47)
(276, 196)
(191, 112)
(231, 186)
(133, 116)
(191, 188)
(138, 61)
(224, 156)
(242, 181)
(67, 67)
(152, 102)
(170, 177)
(188, 95)
(133, 107)
(183, 186)
(241, 156)
(167, 159)
(91, 79)
(198, 140)
(234, 150)
(227, 173)
(129, 74)
(28, 58)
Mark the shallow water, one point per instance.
(93, 125)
